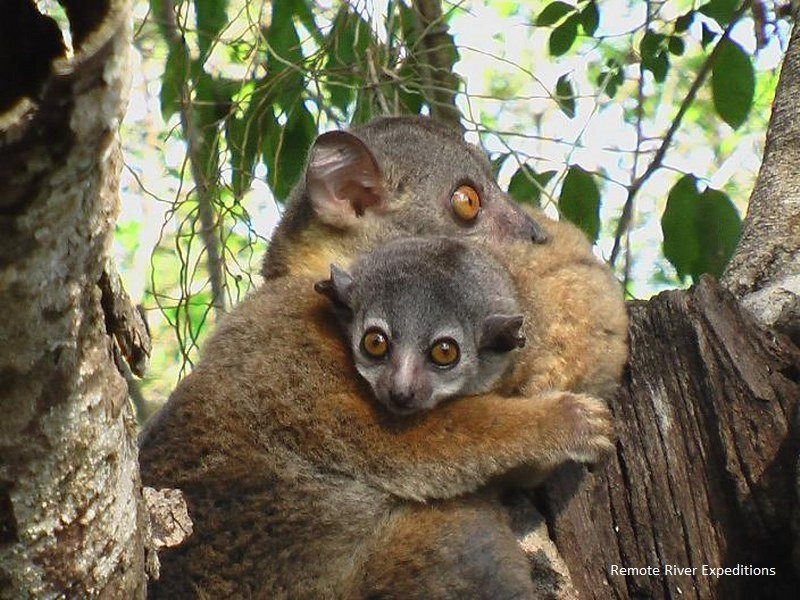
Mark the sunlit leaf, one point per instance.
(590, 17)
(293, 145)
(565, 96)
(683, 22)
(285, 56)
(563, 36)
(580, 201)
(246, 136)
(720, 10)
(700, 230)
(732, 83)
(211, 16)
(526, 185)
(554, 12)
(173, 82)
(676, 45)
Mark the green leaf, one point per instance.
(286, 56)
(590, 17)
(679, 226)
(732, 83)
(245, 136)
(650, 44)
(676, 45)
(347, 45)
(292, 150)
(565, 96)
(211, 16)
(364, 103)
(526, 185)
(708, 36)
(498, 162)
(654, 56)
(554, 12)
(700, 230)
(563, 36)
(302, 9)
(580, 201)
(611, 78)
(683, 22)
(174, 80)
(208, 109)
(720, 225)
(720, 10)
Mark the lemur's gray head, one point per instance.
(427, 319)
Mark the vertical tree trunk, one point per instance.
(70, 502)
(764, 272)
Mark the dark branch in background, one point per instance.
(633, 189)
(437, 57)
(203, 188)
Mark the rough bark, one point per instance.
(70, 500)
(705, 463)
(764, 272)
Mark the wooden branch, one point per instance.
(764, 271)
(705, 465)
(201, 173)
(441, 83)
(124, 322)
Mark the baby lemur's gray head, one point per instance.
(427, 319)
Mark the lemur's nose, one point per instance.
(401, 399)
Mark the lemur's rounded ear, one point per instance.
(501, 333)
(338, 288)
(342, 179)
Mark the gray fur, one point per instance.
(418, 291)
(403, 169)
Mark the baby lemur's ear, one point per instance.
(338, 288)
(342, 179)
(501, 333)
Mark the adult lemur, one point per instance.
(299, 484)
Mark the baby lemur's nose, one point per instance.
(401, 399)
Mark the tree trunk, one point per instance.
(70, 517)
(704, 471)
(764, 272)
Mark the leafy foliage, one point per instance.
(580, 201)
(247, 86)
(732, 83)
(700, 229)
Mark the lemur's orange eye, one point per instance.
(444, 352)
(375, 343)
(466, 203)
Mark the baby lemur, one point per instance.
(299, 484)
(427, 319)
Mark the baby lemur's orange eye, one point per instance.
(444, 352)
(375, 343)
(466, 203)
